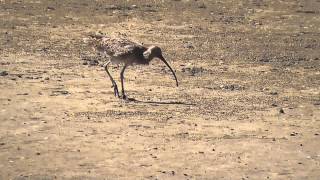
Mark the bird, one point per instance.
(126, 52)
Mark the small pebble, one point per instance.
(293, 134)
(3, 73)
(281, 111)
(50, 8)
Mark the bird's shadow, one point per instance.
(160, 102)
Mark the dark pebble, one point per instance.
(50, 8)
(274, 93)
(274, 105)
(3, 73)
(293, 134)
(281, 111)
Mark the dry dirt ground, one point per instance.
(248, 104)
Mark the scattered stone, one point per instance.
(274, 105)
(232, 87)
(60, 92)
(3, 73)
(38, 153)
(293, 134)
(193, 70)
(281, 111)
(29, 77)
(274, 93)
(93, 62)
(51, 8)
(188, 45)
(112, 7)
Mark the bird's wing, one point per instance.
(117, 47)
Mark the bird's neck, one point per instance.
(148, 58)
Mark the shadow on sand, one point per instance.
(161, 102)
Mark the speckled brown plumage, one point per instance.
(126, 52)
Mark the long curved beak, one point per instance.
(175, 77)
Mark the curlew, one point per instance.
(126, 52)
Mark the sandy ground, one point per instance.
(248, 104)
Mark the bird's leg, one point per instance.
(122, 85)
(114, 84)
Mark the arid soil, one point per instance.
(248, 104)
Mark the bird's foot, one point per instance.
(124, 97)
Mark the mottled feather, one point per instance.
(117, 47)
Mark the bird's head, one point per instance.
(152, 52)
(155, 52)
